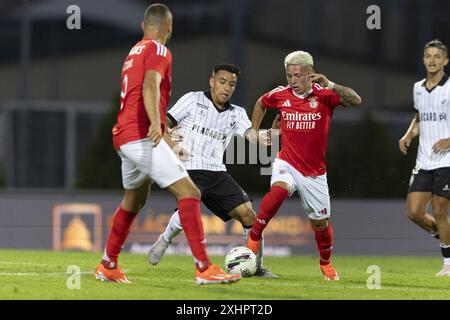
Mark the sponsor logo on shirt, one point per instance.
(301, 120)
(433, 116)
(209, 132)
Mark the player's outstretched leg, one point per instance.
(323, 232)
(158, 249)
(133, 201)
(260, 270)
(440, 207)
(108, 269)
(245, 214)
(188, 199)
(445, 271)
(268, 208)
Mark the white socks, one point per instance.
(173, 228)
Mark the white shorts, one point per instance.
(313, 191)
(140, 161)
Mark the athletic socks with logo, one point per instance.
(270, 204)
(120, 228)
(324, 240)
(190, 217)
(174, 227)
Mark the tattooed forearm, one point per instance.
(348, 96)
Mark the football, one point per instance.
(241, 260)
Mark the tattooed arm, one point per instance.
(348, 96)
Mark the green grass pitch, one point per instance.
(42, 275)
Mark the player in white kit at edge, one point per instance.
(430, 179)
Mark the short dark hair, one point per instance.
(436, 43)
(227, 67)
(156, 14)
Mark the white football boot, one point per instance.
(158, 249)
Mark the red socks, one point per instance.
(324, 239)
(269, 206)
(191, 221)
(120, 228)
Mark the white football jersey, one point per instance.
(206, 130)
(434, 113)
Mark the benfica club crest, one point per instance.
(313, 102)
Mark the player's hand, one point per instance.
(441, 146)
(181, 152)
(155, 134)
(319, 78)
(175, 136)
(264, 137)
(252, 136)
(404, 144)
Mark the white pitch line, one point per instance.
(36, 274)
(26, 264)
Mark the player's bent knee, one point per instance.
(248, 217)
(194, 192)
(319, 224)
(191, 191)
(415, 213)
(440, 215)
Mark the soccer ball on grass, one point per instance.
(241, 260)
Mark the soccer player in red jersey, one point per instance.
(306, 106)
(146, 156)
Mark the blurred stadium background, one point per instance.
(60, 177)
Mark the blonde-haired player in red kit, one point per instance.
(146, 156)
(306, 106)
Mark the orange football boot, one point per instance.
(110, 275)
(329, 272)
(253, 245)
(214, 275)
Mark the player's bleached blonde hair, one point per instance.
(301, 58)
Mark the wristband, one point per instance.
(330, 85)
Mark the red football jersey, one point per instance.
(305, 122)
(132, 121)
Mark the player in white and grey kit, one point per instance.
(430, 180)
(207, 122)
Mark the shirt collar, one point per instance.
(441, 83)
(304, 95)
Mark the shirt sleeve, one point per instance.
(243, 124)
(270, 99)
(181, 108)
(415, 99)
(156, 58)
(333, 99)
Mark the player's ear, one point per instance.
(211, 81)
(142, 26)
